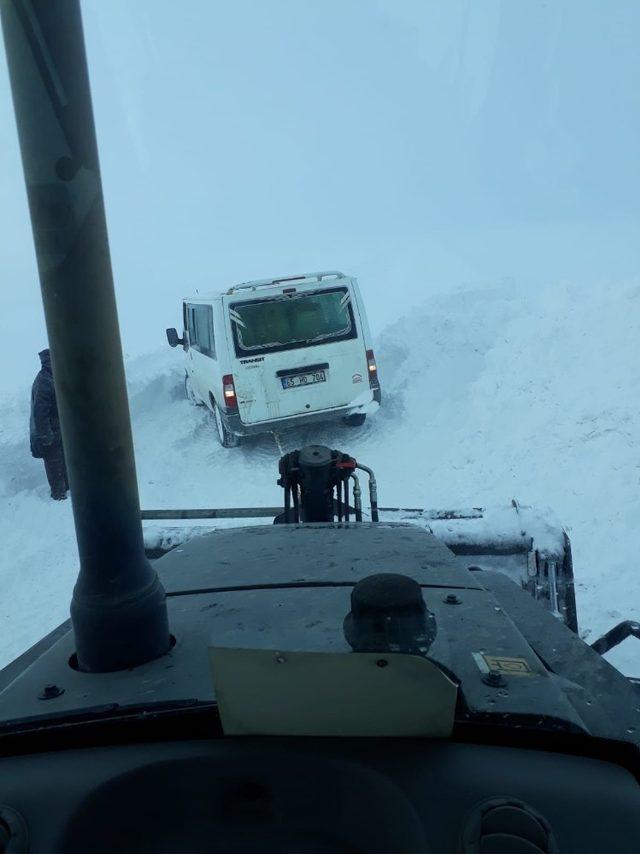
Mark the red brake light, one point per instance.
(372, 368)
(229, 392)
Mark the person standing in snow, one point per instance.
(44, 429)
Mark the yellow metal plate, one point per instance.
(272, 692)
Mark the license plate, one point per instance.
(303, 379)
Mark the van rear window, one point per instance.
(292, 320)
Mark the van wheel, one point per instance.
(226, 438)
(356, 420)
(189, 392)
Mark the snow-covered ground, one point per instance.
(489, 394)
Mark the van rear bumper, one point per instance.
(236, 425)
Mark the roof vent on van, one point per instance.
(304, 277)
(288, 279)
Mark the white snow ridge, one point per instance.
(488, 395)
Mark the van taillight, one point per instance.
(229, 392)
(372, 368)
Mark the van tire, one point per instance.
(356, 420)
(226, 438)
(189, 392)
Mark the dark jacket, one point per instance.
(44, 425)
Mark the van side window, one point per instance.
(190, 325)
(184, 317)
(204, 330)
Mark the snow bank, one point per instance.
(505, 526)
(536, 397)
(489, 395)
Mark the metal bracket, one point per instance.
(616, 635)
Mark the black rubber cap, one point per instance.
(387, 593)
(388, 614)
(314, 455)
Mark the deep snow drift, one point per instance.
(489, 395)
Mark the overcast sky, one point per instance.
(419, 145)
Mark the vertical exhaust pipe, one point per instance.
(118, 609)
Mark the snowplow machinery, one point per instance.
(321, 485)
(530, 548)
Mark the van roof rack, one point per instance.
(304, 277)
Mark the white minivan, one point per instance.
(278, 353)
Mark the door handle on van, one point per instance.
(306, 369)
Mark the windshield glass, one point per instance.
(473, 166)
(295, 320)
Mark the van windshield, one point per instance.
(293, 320)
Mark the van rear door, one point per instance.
(297, 353)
